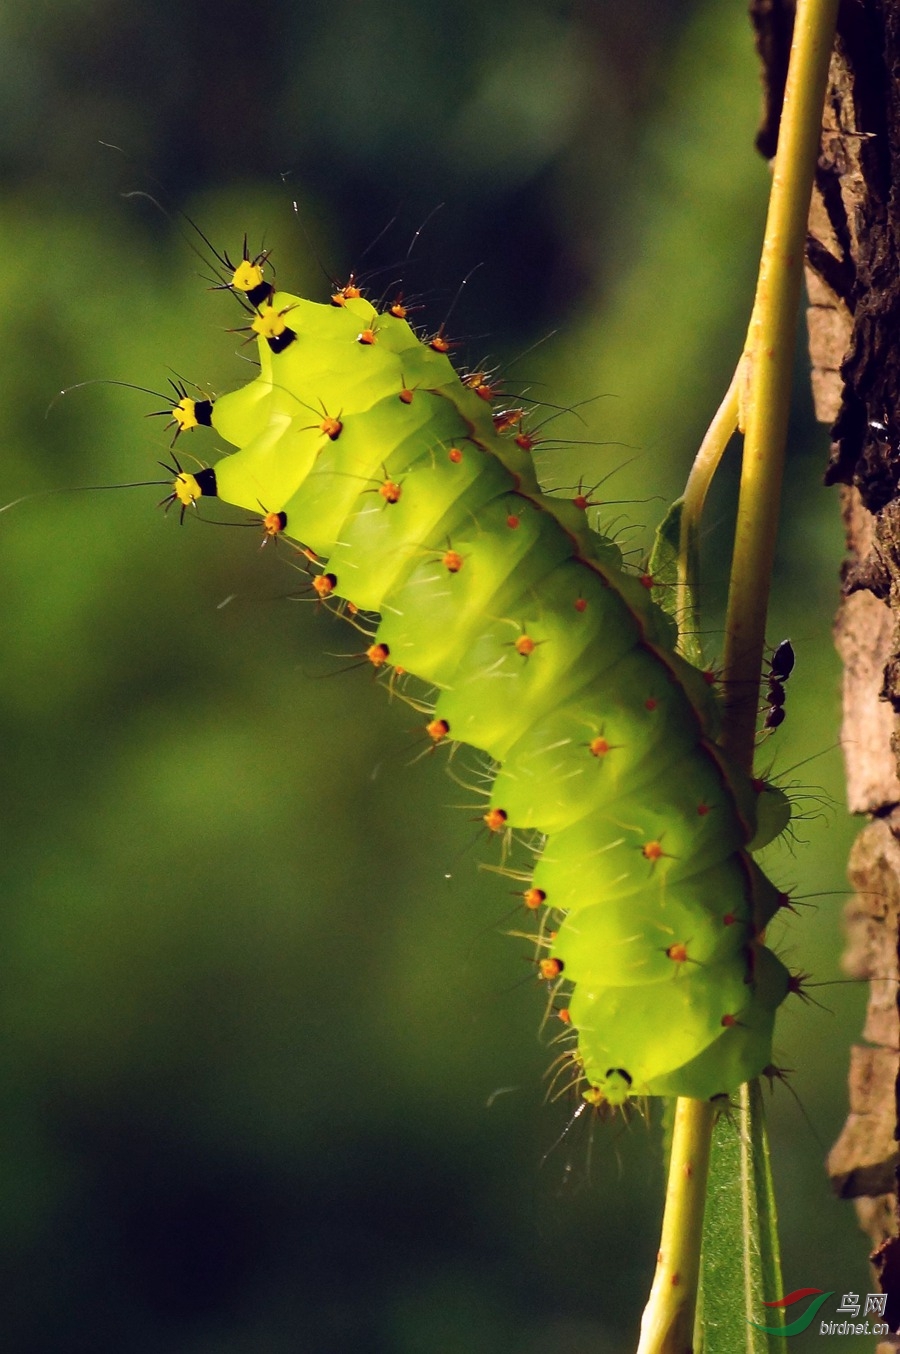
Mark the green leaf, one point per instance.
(741, 1264)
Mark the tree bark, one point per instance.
(853, 281)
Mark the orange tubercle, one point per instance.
(550, 968)
(506, 419)
(324, 584)
(274, 523)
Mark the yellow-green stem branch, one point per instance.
(762, 388)
(767, 371)
(668, 1321)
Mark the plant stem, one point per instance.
(668, 1320)
(767, 370)
(762, 390)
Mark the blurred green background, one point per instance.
(271, 1073)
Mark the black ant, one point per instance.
(781, 665)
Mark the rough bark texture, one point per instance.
(853, 280)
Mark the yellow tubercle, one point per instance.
(184, 414)
(186, 489)
(248, 275)
(269, 323)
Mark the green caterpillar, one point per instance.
(419, 506)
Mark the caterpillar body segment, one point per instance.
(546, 655)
